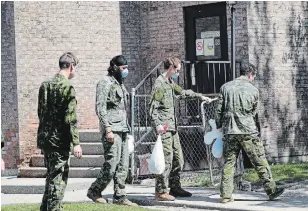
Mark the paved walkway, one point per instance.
(294, 198)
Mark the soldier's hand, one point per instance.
(207, 99)
(77, 151)
(160, 129)
(110, 137)
(219, 129)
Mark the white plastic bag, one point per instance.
(156, 163)
(209, 137)
(130, 143)
(218, 146)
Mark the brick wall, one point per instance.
(9, 102)
(241, 33)
(45, 30)
(130, 40)
(278, 36)
(147, 32)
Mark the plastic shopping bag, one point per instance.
(130, 143)
(209, 137)
(156, 163)
(217, 149)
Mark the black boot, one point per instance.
(277, 193)
(179, 192)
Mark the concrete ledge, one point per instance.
(85, 161)
(92, 148)
(9, 172)
(74, 172)
(242, 203)
(90, 135)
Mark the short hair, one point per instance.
(67, 59)
(246, 68)
(171, 61)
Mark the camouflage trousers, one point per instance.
(115, 167)
(174, 162)
(253, 146)
(57, 164)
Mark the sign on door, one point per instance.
(199, 47)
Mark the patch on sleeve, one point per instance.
(159, 94)
(178, 89)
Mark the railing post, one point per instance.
(232, 3)
(132, 163)
(208, 149)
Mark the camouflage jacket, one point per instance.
(112, 105)
(57, 115)
(162, 103)
(238, 107)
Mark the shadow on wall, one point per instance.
(130, 40)
(282, 82)
(298, 41)
(9, 100)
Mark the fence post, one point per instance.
(132, 163)
(208, 150)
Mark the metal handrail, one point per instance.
(207, 62)
(147, 76)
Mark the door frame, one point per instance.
(191, 13)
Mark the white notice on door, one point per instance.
(199, 47)
(209, 47)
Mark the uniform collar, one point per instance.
(114, 80)
(243, 78)
(60, 77)
(166, 79)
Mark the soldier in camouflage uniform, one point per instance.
(236, 117)
(111, 109)
(57, 132)
(162, 111)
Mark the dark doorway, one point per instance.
(208, 67)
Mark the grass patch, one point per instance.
(200, 181)
(75, 207)
(282, 172)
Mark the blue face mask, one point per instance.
(124, 73)
(175, 75)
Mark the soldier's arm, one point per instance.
(185, 93)
(256, 112)
(256, 104)
(42, 101)
(71, 116)
(219, 110)
(102, 91)
(157, 97)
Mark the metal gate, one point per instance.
(191, 124)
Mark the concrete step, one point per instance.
(74, 172)
(85, 161)
(90, 135)
(92, 148)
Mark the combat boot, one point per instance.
(97, 198)
(164, 197)
(226, 200)
(127, 203)
(179, 192)
(277, 193)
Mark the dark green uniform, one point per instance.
(236, 115)
(57, 133)
(162, 111)
(111, 105)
